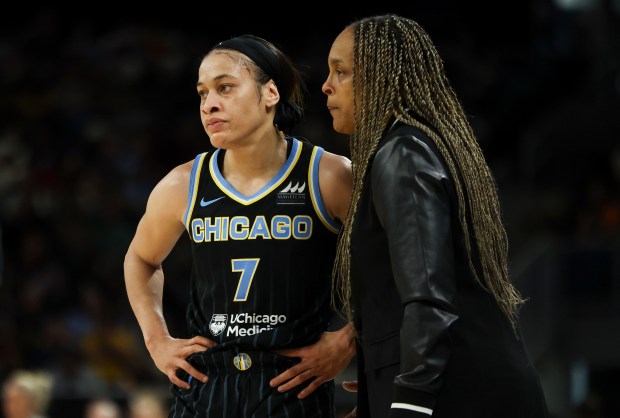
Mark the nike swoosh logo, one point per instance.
(207, 203)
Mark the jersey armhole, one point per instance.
(315, 192)
(193, 187)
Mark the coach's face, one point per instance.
(339, 84)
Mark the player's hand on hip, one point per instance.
(170, 355)
(321, 361)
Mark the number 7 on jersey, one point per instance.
(247, 268)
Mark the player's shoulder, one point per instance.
(335, 163)
(330, 163)
(175, 184)
(179, 175)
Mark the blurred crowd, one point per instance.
(27, 394)
(94, 112)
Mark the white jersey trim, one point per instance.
(398, 405)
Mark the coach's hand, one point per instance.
(321, 361)
(170, 355)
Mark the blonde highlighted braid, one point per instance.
(398, 73)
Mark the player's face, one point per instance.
(339, 84)
(233, 107)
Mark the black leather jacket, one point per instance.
(416, 301)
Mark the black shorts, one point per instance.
(239, 388)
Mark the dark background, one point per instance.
(97, 105)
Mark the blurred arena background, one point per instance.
(97, 107)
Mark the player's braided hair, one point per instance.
(399, 73)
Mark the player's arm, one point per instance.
(332, 353)
(156, 234)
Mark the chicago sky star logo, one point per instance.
(292, 194)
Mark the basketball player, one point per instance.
(262, 213)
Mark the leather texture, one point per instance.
(418, 305)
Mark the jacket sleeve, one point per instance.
(411, 195)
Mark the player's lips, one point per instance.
(214, 123)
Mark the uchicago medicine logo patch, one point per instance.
(218, 323)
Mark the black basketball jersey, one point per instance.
(261, 264)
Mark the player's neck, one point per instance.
(250, 167)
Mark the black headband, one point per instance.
(288, 113)
(261, 55)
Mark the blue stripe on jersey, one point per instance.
(193, 186)
(230, 191)
(315, 192)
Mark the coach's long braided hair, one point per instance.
(398, 73)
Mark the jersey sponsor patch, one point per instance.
(218, 323)
(294, 193)
(243, 324)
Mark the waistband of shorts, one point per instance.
(242, 361)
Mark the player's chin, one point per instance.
(218, 140)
